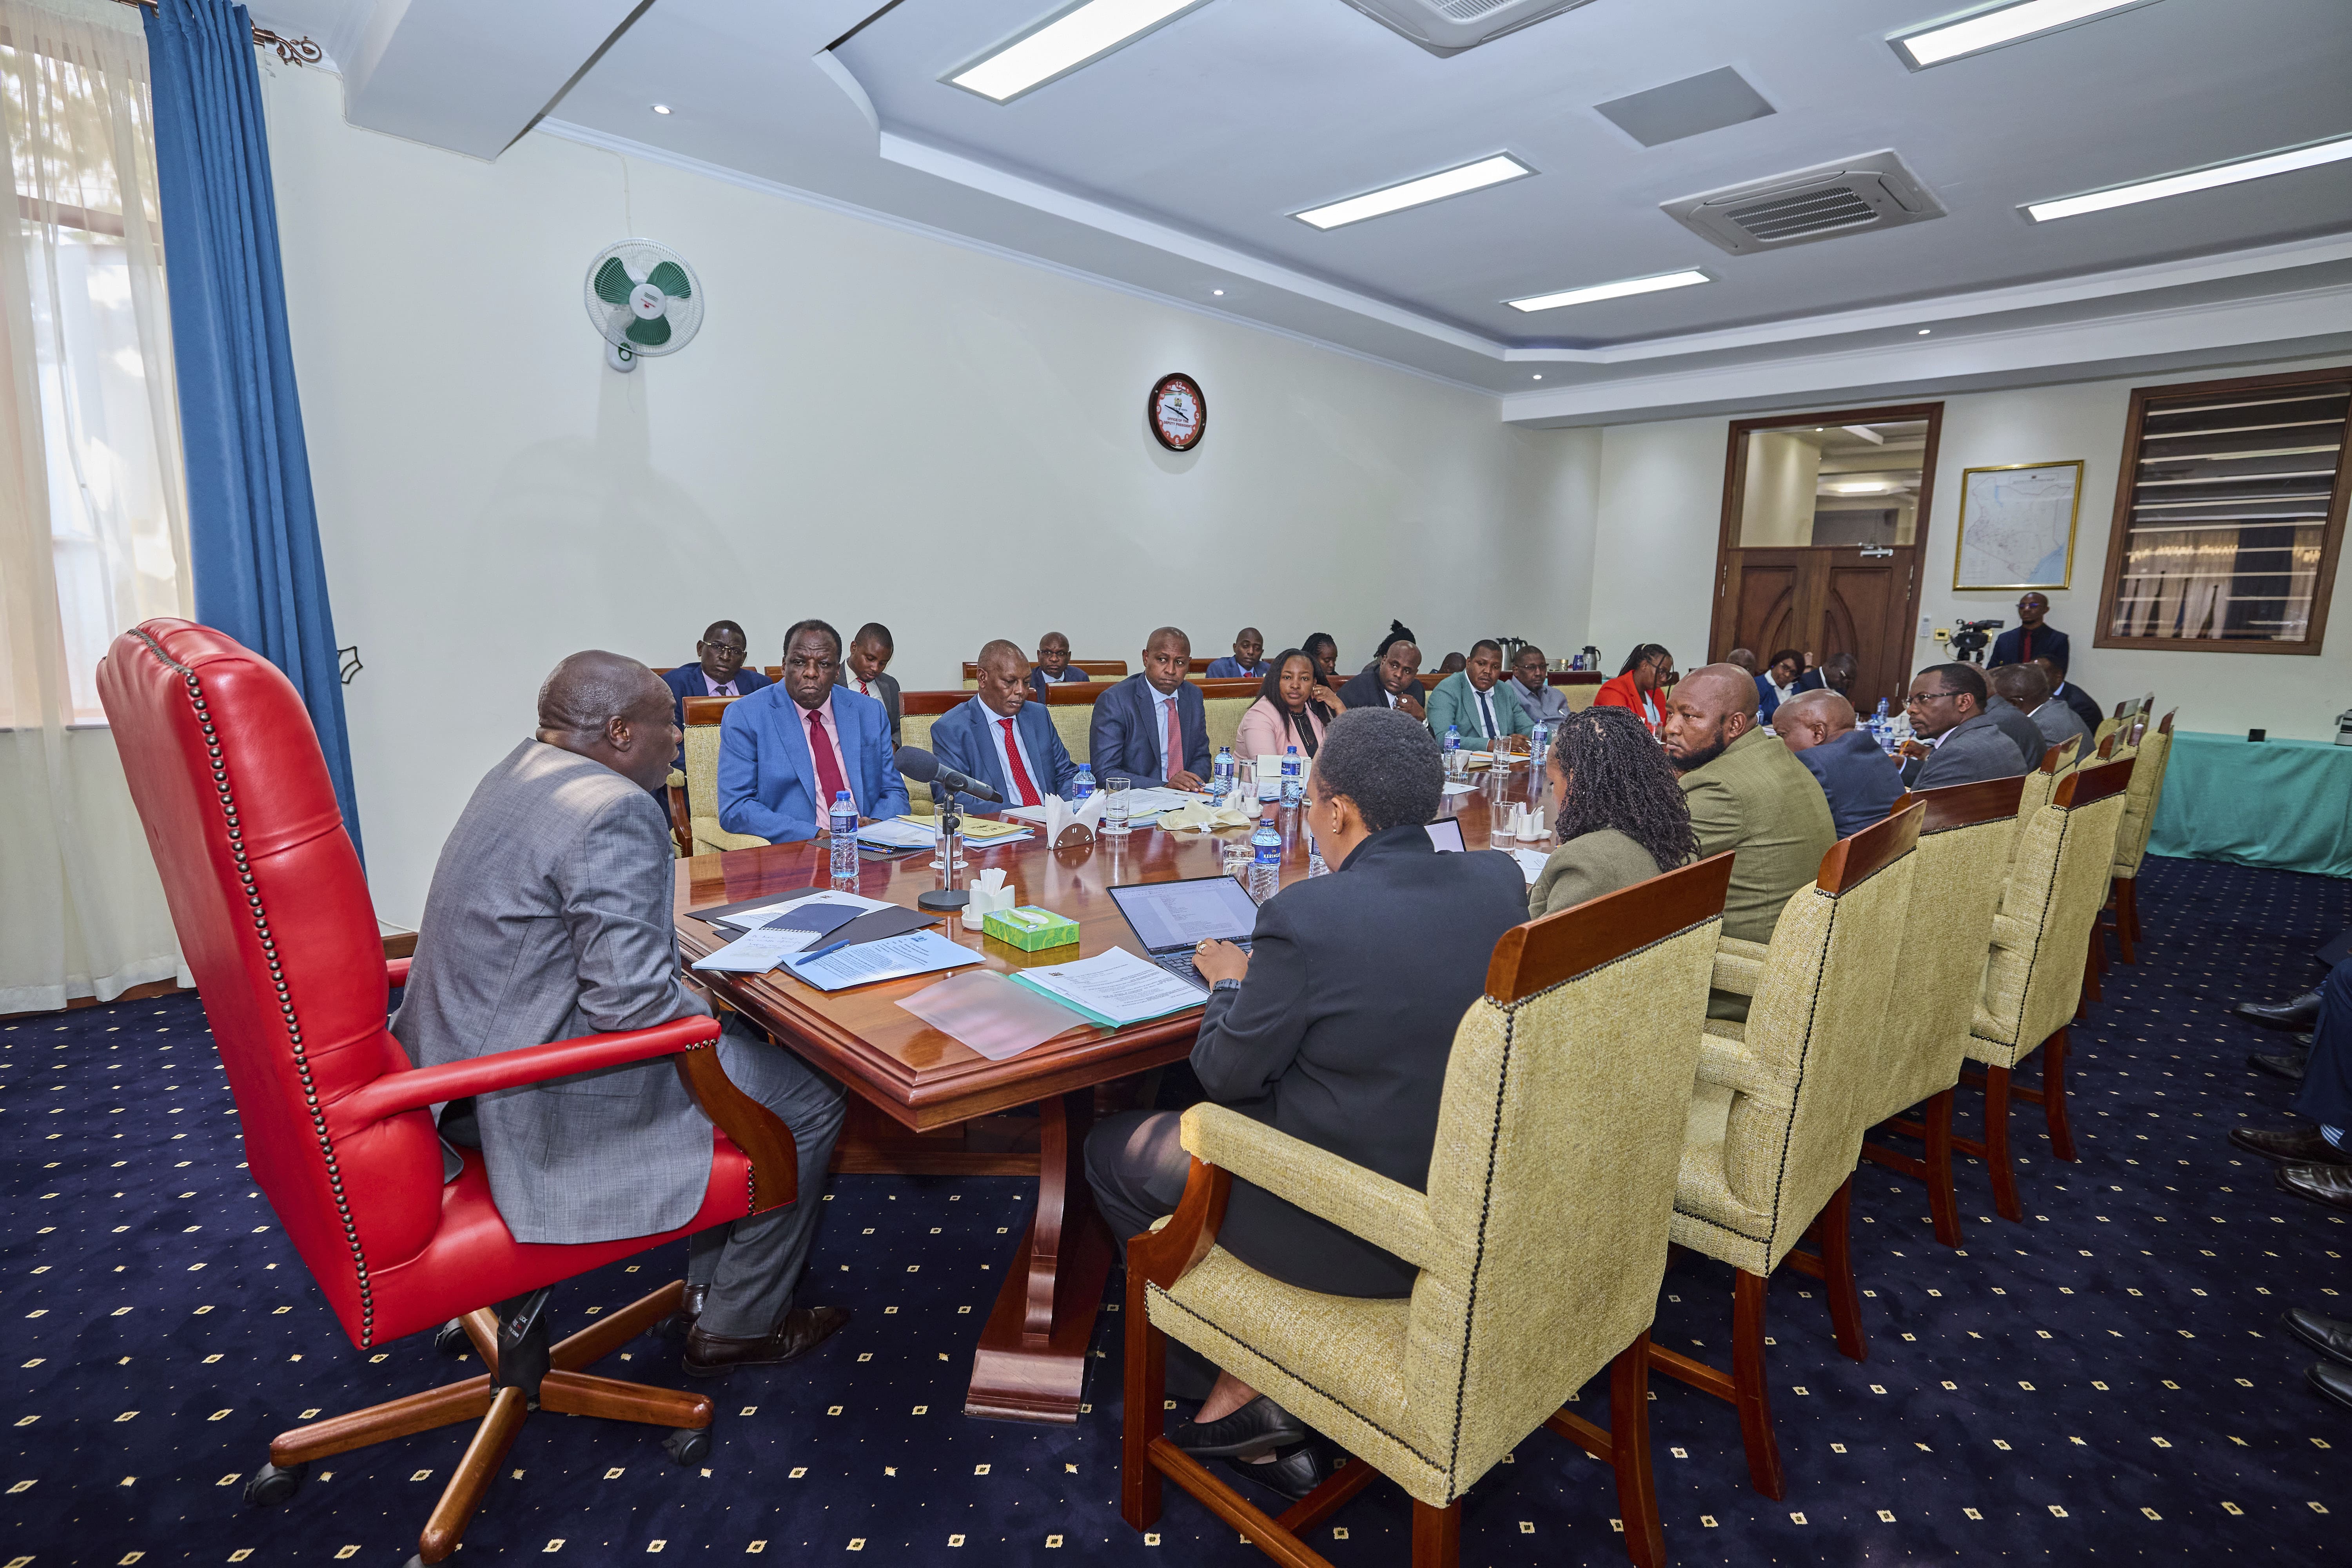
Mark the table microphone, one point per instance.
(924, 768)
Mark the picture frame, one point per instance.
(2008, 535)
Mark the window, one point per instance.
(2228, 510)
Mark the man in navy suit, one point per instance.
(1000, 740)
(783, 753)
(2030, 639)
(1151, 727)
(720, 672)
(1861, 783)
(1054, 665)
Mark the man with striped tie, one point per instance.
(1003, 738)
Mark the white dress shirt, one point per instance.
(1162, 702)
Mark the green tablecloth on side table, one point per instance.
(2282, 803)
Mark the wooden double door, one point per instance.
(1823, 600)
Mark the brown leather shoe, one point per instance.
(680, 1323)
(803, 1330)
(2329, 1184)
(2298, 1146)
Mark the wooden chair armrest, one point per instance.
(759, 1132)
(1164, 1254)
(681, 815)
(1362, 1203)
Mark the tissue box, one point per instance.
(1030, 928)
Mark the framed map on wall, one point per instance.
(2017, 526)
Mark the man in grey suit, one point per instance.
(2025, 688)
(865, 670)
(1957, 740)
(549, 918)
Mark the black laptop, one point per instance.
(1172, 918)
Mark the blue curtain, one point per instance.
(253, 531)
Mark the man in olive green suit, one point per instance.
(1746, 792)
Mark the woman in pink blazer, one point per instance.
(1292, 710)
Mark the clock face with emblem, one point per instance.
(1177, 412)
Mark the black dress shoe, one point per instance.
(680, 1323)
(2328, 1336)
(803, 1330)
(2299, 1014)
(2329, 1184)
(2287, 1065)
(2331, 1381)
(2301, 1146)
(1252, 1429)
(1294, 1474)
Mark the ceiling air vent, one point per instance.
(1450, 26)
(1874, 191)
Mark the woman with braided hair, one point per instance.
(1621, 815)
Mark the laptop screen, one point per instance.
(1185, 914)
(1446, 833)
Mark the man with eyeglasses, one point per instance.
(2030, 639)
(1958, 742)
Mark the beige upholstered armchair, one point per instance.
(2033, 976)
(1777, 1120)
(1541, 1238)
(1963, 861)
(702, 716)
(2140, 802)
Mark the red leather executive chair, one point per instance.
(273, 916)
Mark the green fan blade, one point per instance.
(651, 333)
(614, 282)
(670, 279)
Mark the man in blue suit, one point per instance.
(1861, 783)
(784, 752)
(1151, 727)
(720, 673)
(1000, 739)
(2030, 639)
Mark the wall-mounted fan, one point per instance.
(645, 300)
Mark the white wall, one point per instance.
(1660, 506)
(873, 424)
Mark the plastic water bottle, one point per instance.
(1266, 860)
(1453, 744)
(1881, 727)
(1538, 743)
(1294, 777)
(1221, 776)
(1081, 784)
(844, 828)
(1315, 866)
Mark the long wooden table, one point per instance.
(1030, 1365)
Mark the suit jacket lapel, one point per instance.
(796, 747)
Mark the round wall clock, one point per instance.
(1177, 412)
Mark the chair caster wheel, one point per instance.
(273, 1484)
(688, 1445)
(451, 1340)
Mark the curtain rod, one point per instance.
(293, 51)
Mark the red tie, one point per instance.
(1175, 742)
(1020, 775)
(828, 772)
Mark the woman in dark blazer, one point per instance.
(1619, 814)
(1335, 1027)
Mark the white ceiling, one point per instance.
(1170, 166)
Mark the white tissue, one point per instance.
(987, 894)
(1529, 823)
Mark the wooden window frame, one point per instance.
(2119, 525)
(1734, 487)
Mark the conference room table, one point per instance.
(1030, 1362)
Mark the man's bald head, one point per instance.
(1713, 706)
(609, 708)
(1810, 718)
(2022, 684)
(1002, 673)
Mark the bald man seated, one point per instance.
(1746, 794)
(1861, 783)
(2026, 688)
(1002, 738)
(549, 918)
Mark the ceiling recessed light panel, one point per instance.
(1616, 290)
(1476, 176)
(1077, 36)
(2260, 168)
(1990, 29)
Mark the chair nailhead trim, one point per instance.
(285, 1000)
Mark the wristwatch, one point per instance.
(1225, 985)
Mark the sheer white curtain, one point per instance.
(93, 530)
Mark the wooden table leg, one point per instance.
(1031, 1361)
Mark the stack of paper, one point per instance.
(917, 952)
(1114, 988)
(898, 833)
(1531, 863)
(1142, 804)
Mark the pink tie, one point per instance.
(1020, 773)
(1175, 742)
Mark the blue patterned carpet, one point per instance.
(2108, 1380)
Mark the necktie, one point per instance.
(1020, 775)
(1175, 743)
(1487, 709)
(828, 772)
(862, 689)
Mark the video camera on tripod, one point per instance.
(1970, 637)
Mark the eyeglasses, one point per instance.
(1927, 696)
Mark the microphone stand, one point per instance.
(947, 898)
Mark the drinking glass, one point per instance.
(1245, 787)
(1115, 792)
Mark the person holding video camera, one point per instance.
(2030, 639)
